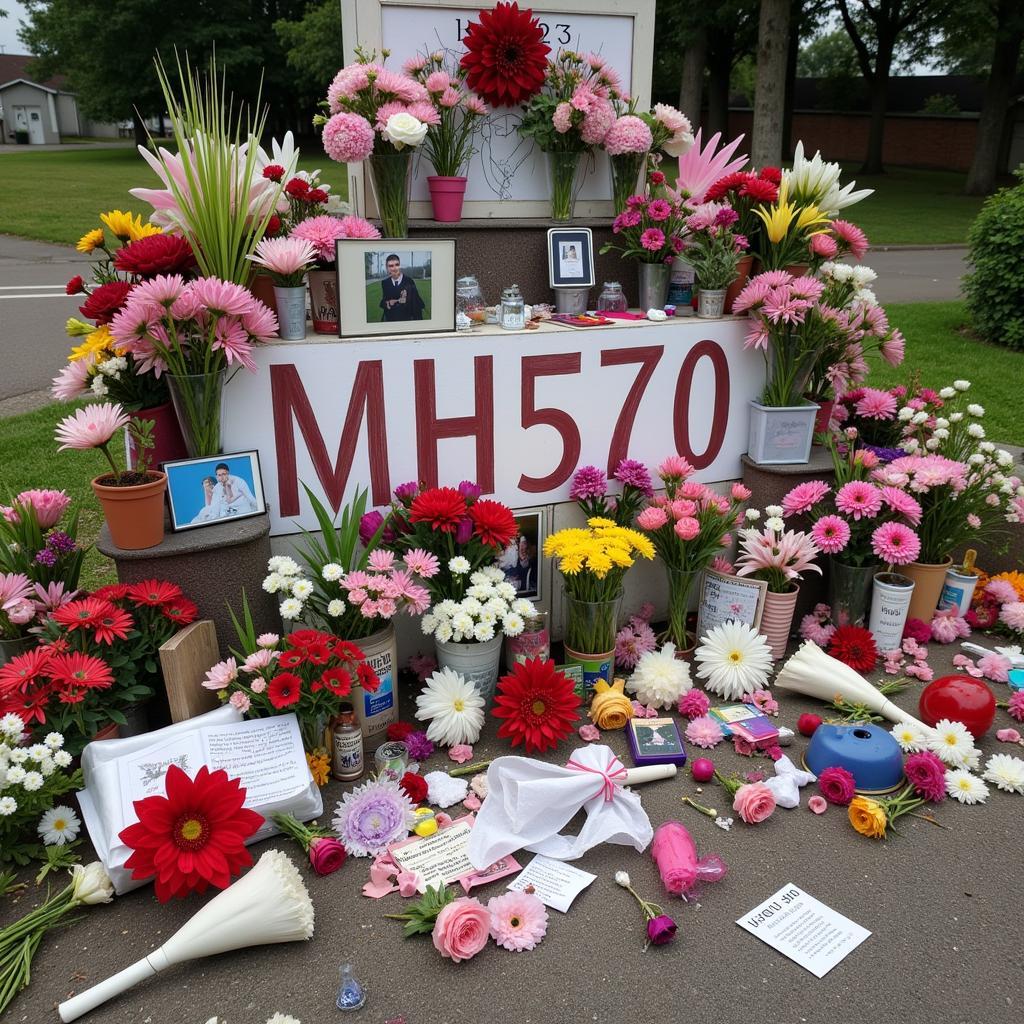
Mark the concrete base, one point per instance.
(211, 565)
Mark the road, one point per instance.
(34, 308)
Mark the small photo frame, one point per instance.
(724, 598)
(395, 286)
(570, 258)
(523, 560)
(207, 491)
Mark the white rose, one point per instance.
(91, 884)
(404, 130)
(961, 385)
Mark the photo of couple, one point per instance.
(206, 491)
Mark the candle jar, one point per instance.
(612, 299)
(392, 759)
(512, 312)
(533, 642)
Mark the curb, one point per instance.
(940, 246)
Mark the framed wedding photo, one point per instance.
(395, 286)
(570, 258)
(203, 492)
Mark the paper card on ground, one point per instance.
(554, 883)
(804, 929)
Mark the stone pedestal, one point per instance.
(212, 565)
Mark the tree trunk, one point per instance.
(878, 87)
(719, 72)
(981, 178)
(691, 82)
(139, 128)
(770, 92)
(795, 15)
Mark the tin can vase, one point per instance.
(654, 279)
(711, 303)
(890, 603)
(376, 711)
(477, 662)
(291, 312)
(957, 591)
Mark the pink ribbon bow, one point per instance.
(611, 775)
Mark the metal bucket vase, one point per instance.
(477, 662)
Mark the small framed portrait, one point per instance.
(570, 258)
(395, 286)
(202, 492)
(523, 560)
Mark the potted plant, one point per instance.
(449, 141)
(713, 248)
(132, 500)
(286, 260)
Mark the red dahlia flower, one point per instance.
(538, 704)
(156, 254)
(493, 523)
(192, 838)
(772, 174)
(854, 646)
(105, 301)
(441, 507)
(506, 57)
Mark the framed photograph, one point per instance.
(523, 560)
(725, 598)
(395, 286)
(202, 492)
(655, 741)
(570, 258)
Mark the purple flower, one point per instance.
(369, 525)
(588, 482)
(46, 557)
(406, 492)
(661, 930)
(726, 216)
(373, 815)
(59, 541)
(634, 474)
(469, 490)
(464, 531)
(420, 748)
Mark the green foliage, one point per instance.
(312, 47)
(994, 287)
(829, 55)
(422, 915)
(941, 103)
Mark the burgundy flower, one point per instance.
(661, 930)
(156, 254)
(105, 301)
(75, 285)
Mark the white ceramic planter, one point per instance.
(781, 436)
(890, 602)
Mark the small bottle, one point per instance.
(347, 758)
(512, 316)
(612, 299)
(351, 994)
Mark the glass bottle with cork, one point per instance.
(347, 763)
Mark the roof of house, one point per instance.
(15, 67)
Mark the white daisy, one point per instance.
(453, 707)
(961, 385)
(773, 511)
(332, 571)
(660, 677)
(967, 788)
(430, 622)
(8, 805)
(1005, 773)
(446, 609)
(62, 759)
(291, 608)
(459, 565)
(19, 755)
(953, 743)
(336, 608)
(59, 826)
(481, 591)
(15, 775)
(523, 607)
(506, 591)
(54, 740)
(909, 736)
(479, 577)
(976, 410)
(302, 589)
(274, 582)
(38, 751)
(734, 659)
(462, 622)
(512, 624)
(12, 726)
(32, 781)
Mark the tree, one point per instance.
(312, 47)
(875, 28)
(829, 55)
(770, 91)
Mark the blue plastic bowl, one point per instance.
(1015, 677)
(868, 752)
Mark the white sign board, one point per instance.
(519, 413)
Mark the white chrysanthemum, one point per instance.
(520, 606)
(462, 622)
(967, 788)
(941, 433)
(493, 573)
(977, 459)
(443, 633)
(479, 577)
(976, 410)
(487, 615)
(1004, 459)
(481, 591)
(941, 421)
(62, 759)
(734, 659)
(336, 608)
(909, 736)
(274, 563)
(15, 775)
(513, 624)
(32, 781)
(911, 445)
(932, 443)
(863, 276)
(289, 567)
(775, 511)
(976, 430)
(8, 805)
(38, 751)
(775, 524)
(302, 589)
(274, 582)
(919, 417)
(459, 565)
(54, 740)
(1005, 773)
(430, 622)
(955, 417)
(291, 608)
(622, 878)
(506, 591)
(453, 707)
(483, 631)
(47, 767)
(961, 385)
(497, 606)
(987, 447)
(446, 608)
(905, 414)
(19, 755)
(660, 677)
(953, 743)
(332, 571)
(752, 515)
(12, 726)
(59, 826)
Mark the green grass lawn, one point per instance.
(374, 314)
(58, 196)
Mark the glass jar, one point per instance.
(512, 315)
(469, 299)
(347, 754)
(612, 299)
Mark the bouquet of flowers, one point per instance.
(628, 142)
(998, 604)
(589, 489)
(308, 673)
(593, 563)
(775, 554)
(713, 248)
(303, 197)
(743, 191)
(787, 228)
(690, 527)
(490, 606)
(323, 231)
(874, 413)
(34, 543)
(31, 780)
(651, 230)
(379, 116)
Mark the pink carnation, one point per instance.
(694, 704)
(628, 134)
(1012, 615)
(704, 732)
(996, 667)
(596, 122)
(687, 528)
(348, 138)
(653, 239)
(652, 518)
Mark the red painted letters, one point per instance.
(681, 406)
(550, 366)
(648, 358)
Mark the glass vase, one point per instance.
(564, 169)
(313, 729)
(590, 626)
(390, 179)
(680, 587)
(197, 402)
(849, 592)
(626, 168)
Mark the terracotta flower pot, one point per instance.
(824, 414)
(262, 287)
(777, 620)
(928, 582)
(797, 269)
(134, 514)
(168, 444)
(742, 276)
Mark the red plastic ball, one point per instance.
(960, 699)
(806, 724)
(702, 770)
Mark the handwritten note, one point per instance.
(555, 884)
(264, 753)
(728, 598)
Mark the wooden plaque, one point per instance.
(184, 660)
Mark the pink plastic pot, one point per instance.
(446, 195)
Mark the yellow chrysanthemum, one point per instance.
(143, 229)
(599, 521)
(94, 347)
(90, 240)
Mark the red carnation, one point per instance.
(441, 507)
(538, 704)
(75, 285)
(656, 178)
(192, 838)
(493, 523)
(368, 679)
(297, 188)
(725, 185)
(273, 225)
(284, 690)
(316, 195)
(760, 189)
(105, 301)
(399, 730)
(772, 174)
(273, 172)
(854, 646)
(156, 254)
(506, 57)
(415, 787)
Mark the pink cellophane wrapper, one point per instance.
(675, 853)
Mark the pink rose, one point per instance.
(754, 802)
(326, 855)
(462, 929)
(817, 804)
(461, 753)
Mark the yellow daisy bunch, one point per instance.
(97, 346)
(599, 550)
(127, 227)
(91, 240)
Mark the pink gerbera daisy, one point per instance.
(896, 544)
(875, 404)
(518, 920)
(859, 499)
(851, 236)
(899, 501)
(804, 497)
(421, 562)
(831, 534)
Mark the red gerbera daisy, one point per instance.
(84, 614)
(345, 649)
(538, 704)
(854, 646)
(338, 681)
(153, 593)
(368, 679)
(193, 837)
(441, 507)
(156, 254)
(318, 654)
(760, 189)
(30, 707)
(291, 659)
(183, 611)
(112, 625)
(111, 592)
(306, 637)
(726, 184)
(105, 301)
(493, 523)
(284, 690)
(506, 57)
(25, 669)
(76, 669)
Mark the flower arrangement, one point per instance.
(323, 231)
(308, 673)
(651, 229)
(689, 526)
(286, 260)
(537, 705)
(742, 191)
(998, 604)
(489, 607)
(303, 197)
(627, 142)
(589, 489)
(449, 141)
(775, 554)
(593, 563)
(874, 413)
(788, 227)
(38, 542)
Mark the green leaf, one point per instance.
(422, 914)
